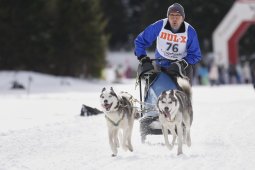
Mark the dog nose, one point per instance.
(105, 101)
(166, 108)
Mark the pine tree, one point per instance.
(55, 36)
(116, 14)
(78, 39)
(22, 34)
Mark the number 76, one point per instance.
(174, 47)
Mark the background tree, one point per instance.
(70, 37)
(116, 14)
(78, 39)
(23, 38)
(57, 37)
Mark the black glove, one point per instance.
(145, 59)
(183, 64)
(178, 68)
(145, 66)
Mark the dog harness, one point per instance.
(118, 122)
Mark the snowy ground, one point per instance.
(41, 129)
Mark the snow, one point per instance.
(40, 128)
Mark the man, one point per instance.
(177, 44)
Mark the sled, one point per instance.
(89, 111)
(155, 84)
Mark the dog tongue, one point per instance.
(167, 114)
(108, 106)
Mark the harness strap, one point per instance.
(133, 100)
(144, 110)
(118, 122)
(143, 103)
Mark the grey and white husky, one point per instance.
(119, 114)
(176, 114)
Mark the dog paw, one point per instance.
(130, 148)
(113, 155)
(188, 142)
(170, 147)
(179, 153)
(125, 147)
(114, 151)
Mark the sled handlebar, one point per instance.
(163, 59)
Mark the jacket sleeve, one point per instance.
(146, 38)
(193, 49)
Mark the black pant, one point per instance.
(188, 72)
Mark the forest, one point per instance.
(71, 37)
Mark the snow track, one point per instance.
(55, 137)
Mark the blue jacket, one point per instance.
(149, 35)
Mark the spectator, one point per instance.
(214, 74)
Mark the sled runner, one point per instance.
(155, 84)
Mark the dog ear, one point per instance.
(172, 92)
(181, 96)
(158, 104)
(112, 90)
(103, 90)
(163, 94)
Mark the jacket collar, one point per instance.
(181, 30)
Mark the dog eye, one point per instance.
(163, 102)
(170, 102)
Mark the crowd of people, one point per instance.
(212, 74)
(207, 73)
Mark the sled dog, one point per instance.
(119, 115)
(176, 114)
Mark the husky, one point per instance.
(176, 114)
(119, 114)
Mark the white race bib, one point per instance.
(170, 45)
